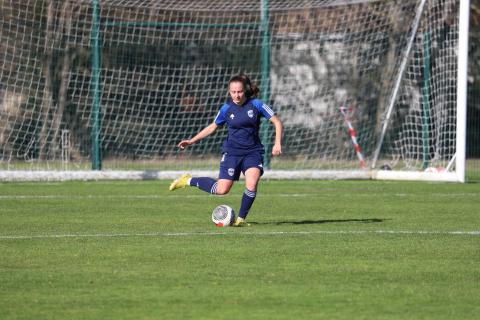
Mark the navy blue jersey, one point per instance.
(243, 123)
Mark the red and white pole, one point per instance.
(353, 135)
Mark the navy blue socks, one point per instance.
(247, 201)
(204, 183)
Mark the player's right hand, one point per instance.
(184, 143)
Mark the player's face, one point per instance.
(237, 92)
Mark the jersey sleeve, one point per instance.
(220, 118)
(264, 109)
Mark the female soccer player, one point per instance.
(242, 150)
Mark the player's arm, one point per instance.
(208, 130)
(277, 146)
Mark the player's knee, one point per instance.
(221, 190)
(251, 185)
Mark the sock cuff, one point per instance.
(214, 188)
(249, 193)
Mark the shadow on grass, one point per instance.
(300, 222)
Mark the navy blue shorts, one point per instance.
(231, 166)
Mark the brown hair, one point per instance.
(251, 89)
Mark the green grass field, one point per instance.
(314, 250)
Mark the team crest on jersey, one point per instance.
(231, 171)
(232, 116)
(250, 113)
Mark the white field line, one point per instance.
(249, 233)
(153, 196)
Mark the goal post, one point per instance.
(105, 89)
(461, 134)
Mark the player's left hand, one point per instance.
(276, 150)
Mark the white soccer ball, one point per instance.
(223, 216)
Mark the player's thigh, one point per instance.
(252, 168)
(252, 176)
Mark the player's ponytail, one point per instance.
(251, 89)
(254, 90)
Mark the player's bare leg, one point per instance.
(223, 186)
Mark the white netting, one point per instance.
(163, 68)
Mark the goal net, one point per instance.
(365, 89)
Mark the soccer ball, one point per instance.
(223, 216)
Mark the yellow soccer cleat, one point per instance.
(181, 182)
(240, 222)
